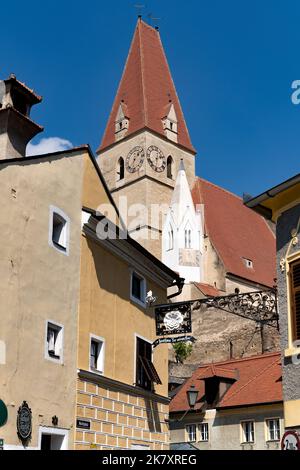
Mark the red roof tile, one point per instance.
(237, 233)
(147, 89)
(257, 381)
(209, 291)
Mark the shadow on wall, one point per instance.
(113, 275)
(152, 416)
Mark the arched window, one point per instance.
(188, 238)
(121, 168)
(169, 167)
(171, 238)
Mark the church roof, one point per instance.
(237, 233)
(147, 89)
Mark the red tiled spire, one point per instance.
(147, 89)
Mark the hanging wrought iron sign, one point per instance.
(173, 319)
(24, 422)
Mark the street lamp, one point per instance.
(192, 395)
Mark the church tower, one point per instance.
(145, 140)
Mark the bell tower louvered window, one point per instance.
(295, 298)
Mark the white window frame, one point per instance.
(55, 432)
(267, 427)
(243, 434)
(101, 358)
(206, 432)
(144, 288)
(188, 434)
(65, 249)
(60, 359)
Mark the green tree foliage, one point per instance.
(182, 351)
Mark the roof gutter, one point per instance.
(257, 202)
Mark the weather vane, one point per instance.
(139, 8)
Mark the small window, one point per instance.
(247, 431)
(188, 238)
(138, 288)
(59, 230)
(146, 374)
(203, 431)
(121, 168)
(170, 167)
(273, 429)
(171, 239)
(248, 263)
(294, 281)
(191, 430)
(97, 354)
(54, 343)
(171, 125)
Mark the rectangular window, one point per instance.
(273, 429)
(294, 270)
(138, 288)
(54, 345)
(247, 431)
(146, 373)
(59, 230)
(191, 430)
(203, 430)
(97, 354)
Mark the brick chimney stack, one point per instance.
(16, 127)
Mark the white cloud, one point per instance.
(48, 145)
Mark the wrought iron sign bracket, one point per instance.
(258, 306)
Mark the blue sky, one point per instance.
(233, 63)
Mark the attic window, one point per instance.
(248, 263)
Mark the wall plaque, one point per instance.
(24, 422)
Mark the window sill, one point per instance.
(138, 301)
(292, 351)
(55, 359)
(96, 371)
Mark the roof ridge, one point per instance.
(228, 395)
(242, 359)
(220, 187)
(145, 109)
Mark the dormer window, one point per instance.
(248, 263)
(170, 123)
(122, 122)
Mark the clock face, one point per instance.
(135, 159)
(156, 159)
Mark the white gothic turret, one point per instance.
(182, 237)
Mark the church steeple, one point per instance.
(145, 139)
(147, 93)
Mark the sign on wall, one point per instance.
(173, 319)
(24, 422)
(290, 441)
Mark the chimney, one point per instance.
(16, 127)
